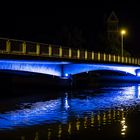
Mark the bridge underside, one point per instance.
(63, 69)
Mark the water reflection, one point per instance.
(124, 127)
(66, 101)
(76, 125)
(75, 112)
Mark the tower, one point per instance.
(112, 27)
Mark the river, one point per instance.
(110, 111)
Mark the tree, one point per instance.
(72, 37)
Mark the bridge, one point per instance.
(20, 55)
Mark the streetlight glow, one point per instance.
(123, 32)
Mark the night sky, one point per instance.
(45, 25)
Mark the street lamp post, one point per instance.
(123, 32)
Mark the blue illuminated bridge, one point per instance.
(19, 55)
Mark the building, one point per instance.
(112, 27)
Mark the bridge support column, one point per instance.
(70, 54)
(60, 52)
(92, 55)
(50, 50)
(24, 48)
(37, 49)
(8, 46)
(118, 58)
(98, 56)
(86, 54)
(78, 53)
(109, 57)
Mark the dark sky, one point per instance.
(44, 25)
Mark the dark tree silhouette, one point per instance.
(72, 37)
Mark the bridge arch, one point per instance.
(62, 68)
(79, 68)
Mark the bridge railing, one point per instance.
(21, 47)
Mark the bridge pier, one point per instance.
(137, 71)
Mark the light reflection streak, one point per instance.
(66, 102)
(124, 127)
(56, 111)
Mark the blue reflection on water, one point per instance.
(59, 110)
(114, 98)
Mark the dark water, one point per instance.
(106, 112)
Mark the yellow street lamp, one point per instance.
(123, 32)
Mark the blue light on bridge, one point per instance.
(45, 67)
(80, 68)
(55, 68)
